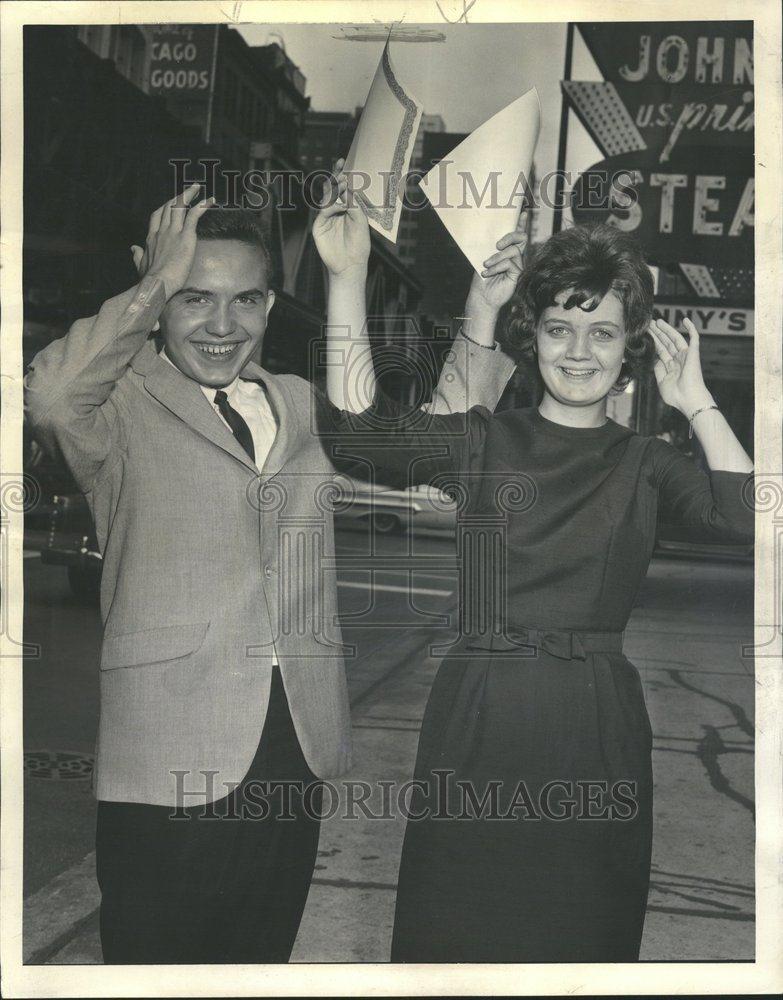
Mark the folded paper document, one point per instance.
(478, 190)
(379, 157)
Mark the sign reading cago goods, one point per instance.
(181, 57)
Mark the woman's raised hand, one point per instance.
(340, 230)
(678, 367)
(498, 281)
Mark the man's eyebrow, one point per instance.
(206, 292)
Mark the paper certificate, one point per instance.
(479, 188)
(380, 154)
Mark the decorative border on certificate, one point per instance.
(385, 216)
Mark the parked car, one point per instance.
(419, 509)
(67, 540)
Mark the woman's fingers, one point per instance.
(328, 195)
(507, 266)
(517, 236)
(677, 340)
(332, 209)
(335, 188)
(662, 337)
(495, 259)
(662, 347)
(672, 360)
(514, 253)
(660, 371)
(694, 334)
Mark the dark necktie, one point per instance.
(239, 428)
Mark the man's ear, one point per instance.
(270, 301)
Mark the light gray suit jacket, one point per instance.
(211, 567)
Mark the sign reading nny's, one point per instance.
(674, 119)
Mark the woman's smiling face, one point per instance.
(580, 352)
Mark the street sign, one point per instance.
(181, 61)
(720, 320)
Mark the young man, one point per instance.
(221, 669)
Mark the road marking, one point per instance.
(391, 588)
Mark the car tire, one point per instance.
(85, 582)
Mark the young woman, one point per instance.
(532, 832)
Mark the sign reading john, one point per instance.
(674, 119)
(672, 51)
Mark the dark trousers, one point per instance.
(219, 884)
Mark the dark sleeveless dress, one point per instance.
(535, 713)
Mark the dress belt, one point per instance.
(562, 643)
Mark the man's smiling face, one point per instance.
(213, 325)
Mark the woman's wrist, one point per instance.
(698, 401)
(477, 308)
(354, 274)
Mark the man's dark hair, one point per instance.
(235, 224)
(592, 260)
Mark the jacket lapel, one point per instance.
(185, 399)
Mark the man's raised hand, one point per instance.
(171, 240)
(340, 230)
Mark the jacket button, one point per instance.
(267, 571)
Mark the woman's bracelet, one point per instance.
(701, 409)
(487, 347)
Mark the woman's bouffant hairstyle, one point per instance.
(591, 260)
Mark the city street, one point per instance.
(686, 637)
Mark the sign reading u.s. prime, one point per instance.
(181, 58)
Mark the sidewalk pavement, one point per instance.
(686, 637)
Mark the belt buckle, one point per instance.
(561, 643)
